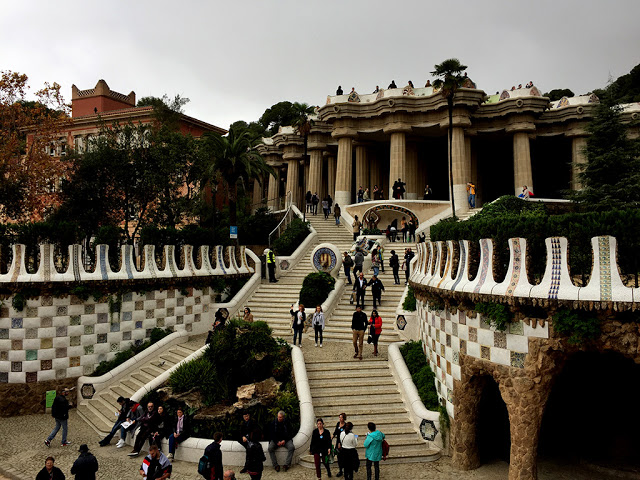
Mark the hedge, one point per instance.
(315, 290)
(292, 237)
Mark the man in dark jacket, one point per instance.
(246, 429)
(360, 287)
(148, 424)
(394, 263)
(86, 465)
(376, 290)
(49, 472)
(408, 256)
(280, 435)
(125, 405)
(60, 412)
(359, 324)
(214, 454)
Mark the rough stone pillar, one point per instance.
(522, 174)
(411, 171)
(315, 172)
(307, 186)
(293, 166)
(272, 195)
(397, 160)
(343, 172)
(362, 168)
(578, 157)
(461, 170)
(257, 193)
(331, 176)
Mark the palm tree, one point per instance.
(449, 79)
(235, 158)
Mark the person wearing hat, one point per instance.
(60, 413)
(86, 465)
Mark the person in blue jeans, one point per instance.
(125, 405)
(60, 413)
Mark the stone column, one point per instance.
(397, 160)
(306, 187)
(315, 172)
(343, 172)
(331, 176)
(293, 167)
(414, 190)
(272, 195)
(521, 162)
(461, 170)
(362, 168)
(578, 157)
(257, 193)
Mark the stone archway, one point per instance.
(372, 217)
(493, 436)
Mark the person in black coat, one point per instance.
(394, 263)
(297, 322)
(320, 447)
(255, 456)
(408, 256)
(147, 424)
(181, 431)
(376, 289)
(49, 471)
(246, 429)
(86, 465)
(60, 413)
(215, 457)
(280, 435)
(125, 405)
(360, 287)
(163, 428)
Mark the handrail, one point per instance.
(286, 219)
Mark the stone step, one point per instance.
(332, 382)
(417, 455)
(95, 419)
(325, 389)
(339, 367)
(343, 405)
(372, 398)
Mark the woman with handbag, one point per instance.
(350, 460)
(375, 329)
(320, 447)
(318, 323)
(340, 426)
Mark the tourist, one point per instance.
(360, 287)
(353, 89)
(408, 256)
(377, 89)
(422, 238)
(398, 189)
(134, 414)
(49, 471)
(373, 449)
(376, 290)
(410, 83)
(163, 428)
(86, 465)
(339, 90)
(392, 84)
(376, 261)
(314, 201)
(307, 198)
(246, 428)
(393, 229)
(214, 454)
(513, 88)
(360, 195)
(229, 475)
(376, 193)
(248, 316)
(365, 196)
(394, 263)
(254, 463)
(271, 264)
(318, 323)
(147, 425)
(403, 229)
(181, 431)
(427, 193)
(155, 466)
(297, 324)
(60, 413)
(526, 193)
(280, 435)
(336, 213)
(347, 263)
(428, 84)
(358, 260)
(356, 228)
(519, 86)
(320, 447)
(325, 208)
(330, 202)
(349, 442)
(125, 405)
(358, 327)
(471, 190)
(375, 329)
(411, 228)
(340, 426)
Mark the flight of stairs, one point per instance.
(98, 412)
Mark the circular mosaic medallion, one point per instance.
(326, 258)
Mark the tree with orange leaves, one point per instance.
(29, 129)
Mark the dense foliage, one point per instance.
(409, 303)
(578, 325)
(498, 314)
(422, 375)
(315, 289)
(625, 89)
(292, 237)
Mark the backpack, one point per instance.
(204, 466)
(385, 449)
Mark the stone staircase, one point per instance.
(98, 412)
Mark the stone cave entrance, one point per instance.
(593, 413)
(493, 436)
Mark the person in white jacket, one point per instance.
(318, 323)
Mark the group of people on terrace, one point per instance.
(339, 90)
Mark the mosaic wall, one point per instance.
(57, 338)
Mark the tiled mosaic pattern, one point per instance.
(447, 336)
(55, 338)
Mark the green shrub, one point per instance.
(409, 303)
(578, 325)
(499, 315)
(371, 231)
(421, 374)
(292, 237)
(199, 373)
(315, 289)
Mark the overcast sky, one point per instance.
(234, 59)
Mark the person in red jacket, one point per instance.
(375, 329)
